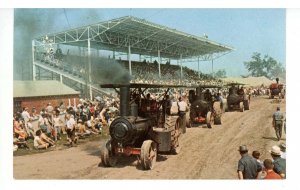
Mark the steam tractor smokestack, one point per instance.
(124, 101)
(277, 79)
(198, 92)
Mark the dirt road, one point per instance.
(205, 153)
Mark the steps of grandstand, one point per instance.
(67, 71)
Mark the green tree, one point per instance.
(266, 66)
(220, 73)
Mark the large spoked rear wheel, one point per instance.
(209, 119)
(148, 154)
(108, 158)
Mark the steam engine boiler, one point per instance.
(276, 89)
(237, 99)
(203, 109)
(140, 130)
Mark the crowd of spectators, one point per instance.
(53, 122)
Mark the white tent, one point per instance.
(250, 81)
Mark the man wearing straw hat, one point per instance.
(279, 163)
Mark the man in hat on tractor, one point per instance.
(277, 123)
(279, 163)
(248, 167)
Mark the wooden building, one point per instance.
(39, 93)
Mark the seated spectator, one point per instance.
(45, 138)
(96, 126)
(19, 143)
(18, 130)
(38, 143)
(269, 170)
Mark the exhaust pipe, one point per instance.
(124, 100)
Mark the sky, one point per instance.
(246, 30)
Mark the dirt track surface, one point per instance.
(205, 153)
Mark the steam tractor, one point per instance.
(143, 128)
(237, 99)
(276, 89)
(205, 108)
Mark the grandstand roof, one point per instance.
(41, 88)
(144, 38)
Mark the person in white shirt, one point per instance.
(71, 130)
(26, 117)
(183, 108)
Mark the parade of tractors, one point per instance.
(146, 127)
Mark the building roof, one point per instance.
(41, 88)
(144, 38)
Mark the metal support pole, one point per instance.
(198, 69)
(181, 68)
(150, 59)
(129, 59)
(114, 55)
(33, 62)
(39, 71)
(90, 67)
(61, 78)
(140, 57)
(159, 60)
(212, 67)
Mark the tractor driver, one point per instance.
(208, 95)
(241, 91)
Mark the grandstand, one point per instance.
(73, 56)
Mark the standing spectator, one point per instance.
(248, 167)
(26, 117)
(57, 122)
(256, 155)
(277, 123)
(71, 130)
(44, 124)
(279, 163)
(34, 113)
(269, 170)
(283, 150)
(49, 108)
(182, 107)
(62, 107)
